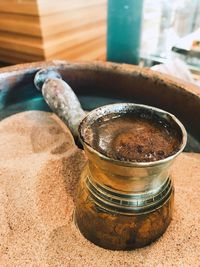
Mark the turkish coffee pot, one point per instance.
(120, 205)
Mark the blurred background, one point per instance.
(144, 32)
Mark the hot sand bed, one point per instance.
(39, 170)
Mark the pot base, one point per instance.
(118, 231)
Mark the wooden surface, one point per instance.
(33, 30)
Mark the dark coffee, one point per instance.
(128, 137)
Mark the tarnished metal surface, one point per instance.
(115, 231)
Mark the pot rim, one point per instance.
(129, 163)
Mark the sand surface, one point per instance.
(39, 169)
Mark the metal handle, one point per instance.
(60, 97)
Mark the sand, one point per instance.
(39, 170)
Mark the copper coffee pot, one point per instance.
(120, 205)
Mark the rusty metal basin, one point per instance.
(98, 83)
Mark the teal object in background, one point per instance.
(124, 30)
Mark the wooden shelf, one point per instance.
(21, 24)
(32, 30)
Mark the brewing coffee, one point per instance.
(125, 195)
(128, 137)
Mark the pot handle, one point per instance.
(60, 97)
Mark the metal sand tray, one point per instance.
(122, 244)
(120, 204)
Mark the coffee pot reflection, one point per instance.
(125, 194)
